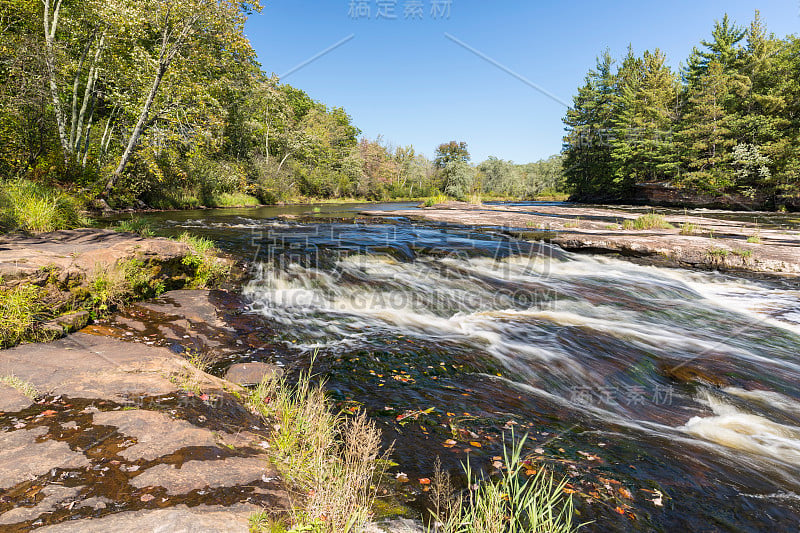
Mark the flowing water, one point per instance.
(669, 397)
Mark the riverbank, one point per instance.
(687, 241)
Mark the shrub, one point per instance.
(436, 199)
(235, 199)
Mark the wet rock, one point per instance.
(179, 519)
(251, 373)
(54, 497)
(195, 475)
(401, 525)
(65, 324)
(156, 434)
(23, 459)
(89, 366)
(690, 374)
(11, 400)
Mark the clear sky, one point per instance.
(405, 79)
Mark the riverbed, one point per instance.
(669, 397)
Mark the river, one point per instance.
(669, 397)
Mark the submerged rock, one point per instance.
(252, 373)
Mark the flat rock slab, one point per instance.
(54, 496)
(195, 475)
(182, 320)
(178, 519)
(251, 373)
(89, 366)
(22, 458)
(79, 251)
(156, 433)
(576, 228)
(11, 400)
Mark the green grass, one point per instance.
(436, 199)
(134, 225)
(236, 199)
(511, 504)
(23, 387)
(574, 223)
(688, 229)
(210, 269)
(718, 253)
(332, 461)
(754, 238)
(20, 307)
(745, 254)
(36, 208)
(648, 221)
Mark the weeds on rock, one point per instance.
(209, 268)
(648, 221)
(20, 308)
(23, 387)
(333, 461)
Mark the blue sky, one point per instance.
(405, 79)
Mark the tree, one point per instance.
(182, 32)
(458, 178)
(449, 152)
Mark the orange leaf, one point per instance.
(476, 444)
(620, 510)
(424, 481)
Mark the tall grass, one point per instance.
(332, 460)
(648, 221)
(134, 225)
(35, 208)
(20, 307)
(23, 387)
(234, 199)
(511, 504)
(210, 269)
(436, 199)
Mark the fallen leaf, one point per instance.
(49, 412)
(476, 444)
(625, 492)
(424, 481)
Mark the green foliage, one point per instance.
(20, 307)
(134, 225)
(458, 177)
(451, 152)
(209, 268)
(510, 504)
(726, 126)
(112, 287)
(436, 199)
(334, 460)
(35, 208)
(648, 221)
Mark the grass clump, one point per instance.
(648, 221)
(755, 238)
(210, 269)
(573, 223)
(332, 460)
(23, 387)
(744, 254)
(234, 199)
(134, 225)
(436, 199)
(688, 228)
(475, 199)
(36, 208)
(111, 287)
(20, 307)
(510, 504)
(719, 253)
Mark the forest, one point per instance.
(161, 104)
(727, 122)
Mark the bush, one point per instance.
(235, 199)
(35, 208)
